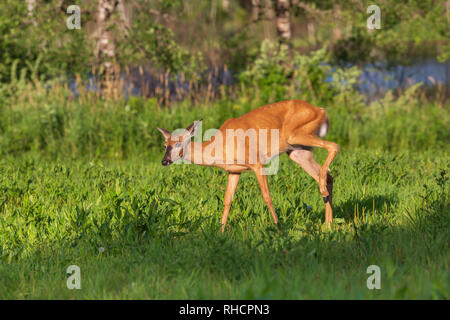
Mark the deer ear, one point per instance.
(165, 133)
(193, 127)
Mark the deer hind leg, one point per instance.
(233, 179)
(324, 180)
(305, 158)
(265, 192)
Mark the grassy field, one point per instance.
(81, 184)
(81, 180)
(159, 228)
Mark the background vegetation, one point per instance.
(80, 175)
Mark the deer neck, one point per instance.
(194, 153)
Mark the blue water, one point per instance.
(376, 79)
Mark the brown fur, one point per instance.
(298, 123)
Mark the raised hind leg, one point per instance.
(331, 147)
(304, 157)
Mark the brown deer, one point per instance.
(293, 126)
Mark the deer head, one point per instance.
(175, 144)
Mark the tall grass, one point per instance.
(54, 122)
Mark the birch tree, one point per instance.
(105, 51)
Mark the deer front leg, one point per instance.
(233, 179)
(264, 186)
(329, 203)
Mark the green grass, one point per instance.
(52, 125)
(160, 230)
(78, 175)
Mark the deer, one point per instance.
(294, 127)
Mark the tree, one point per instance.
(31, 5)
(283, 22)
(264, 9)
(105, 51)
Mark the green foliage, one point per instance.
(445, 55)
(311, 75)
(45, 48)
(157, 44)
(309, 78)
(161, 226)
(268, 73)
(176, 39)
(41, 46)
(410, 30)
(50, 122)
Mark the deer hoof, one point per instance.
(325, 199)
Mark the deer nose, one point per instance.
(165, 162)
